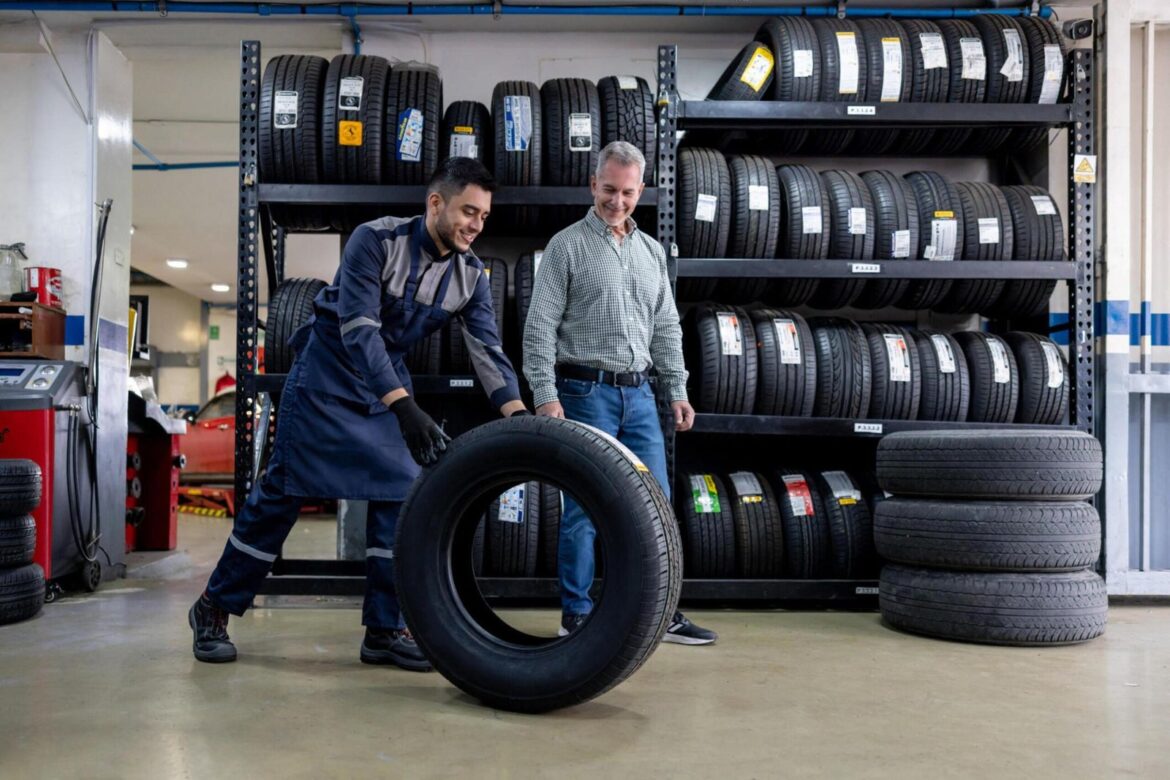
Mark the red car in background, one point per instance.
(210, 443)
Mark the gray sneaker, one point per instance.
(393, 647)
(212, 644)
(683, 632)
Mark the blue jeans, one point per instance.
(630, 415)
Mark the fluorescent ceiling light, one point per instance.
(176, 262)
(220, 288)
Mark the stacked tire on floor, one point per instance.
(22, 582)
(989, 537)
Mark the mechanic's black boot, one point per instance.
(393, 647)
(209, 623)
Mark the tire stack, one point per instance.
(989, 537)
(22, 582)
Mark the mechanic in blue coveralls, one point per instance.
(348, 426)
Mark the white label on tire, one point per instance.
(747, 485)
(899, 357)
(705, 495)
(802, 63)
(580, 133)
(974, 60)
(988, 230)
(788, 340)
(730, 334)
(891, 69)
(410, 135)
(517, 122)
(999, 360)
(512, 505)
(537, 256)
(349, 94)
(1053, 73)
(849, 63)
(934, 51)
(1043, 205)
(757, 197)
(1054, 364)
(284, 110)
(946, 356)
(842, 486)
(810, 218)
(1013, 65)
(857, 221)
(942, 240)
(627, 82)
(705, 207)
(901, 243)
(799, 496)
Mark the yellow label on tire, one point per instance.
(349, 133)
(758, 69)
(944, 215)
(463, 130)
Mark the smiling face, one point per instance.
(456, 222)
(616, 191)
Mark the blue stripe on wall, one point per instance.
(1113, 318)
(74, 330)
(111, 335)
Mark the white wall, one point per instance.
(175, 328)
(221, 352)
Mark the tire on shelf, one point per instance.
(467, 132)
(352, 153)
(851, 216)
(896, 235)
(708, 527)
(968, 83)
(787, 372)
(946, 381)
(627, 114)
(936, 198)
(759, 538)
(839, 84)
(793, 41)
(451, 621)
(1000, 34)
(704, 217)
(513, 532)
(1044, 381)
(896, 388)
(988, 535)
(1045, 85)
(890, 79)
(22, 593)
(755, 223)
(720, 347)
(804, 521)
(851, 549)
(18, 539)
(748, 76)
(290, 307)
(1001, 608)
(930, 85)
(985, 464)
(571, 113)
(995, 377)
(414, 116)
(518, 130)
(1039, 236)
(551, 507)
(985, 216)
(844, 382)
(804, 206)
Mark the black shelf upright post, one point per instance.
(1082, 234)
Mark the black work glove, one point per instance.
(425, 440)
(521, 413)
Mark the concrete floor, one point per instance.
(104, 686)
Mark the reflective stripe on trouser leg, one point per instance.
(380, 608)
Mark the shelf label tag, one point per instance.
(862, 590)
(865, 268)
(862, 427)
(461, 383)
(861, 111)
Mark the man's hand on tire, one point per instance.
(425, 440)
(551, 409)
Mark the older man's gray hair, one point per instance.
(623, 153)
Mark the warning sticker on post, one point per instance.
(517, 122)
(988, 230)
(974, 60)
(1043, 205)
(580, 133)
(757, 197)
(1013, 64)
(730, 334)
(810, 219)
(802, 63)
(349, 93)
(284, 110)
(1054, 363)
(512, 505)
(946, 355)
(891, 69)
(934, 51)
(898, 356)
(1053, 73)
(747, 487)
(788, 340)
(1085, 168)
(799, 497)
(943, 233)
(848, 62)
(705, 494)
(759, 67)
(999, 360)
(842, 486)
(857, 221)
(900, 243)
(410, 135)
(705, 207)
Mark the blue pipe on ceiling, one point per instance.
(162, 166)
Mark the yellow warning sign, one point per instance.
(1085, 169)
(349, 133)
(759, 67)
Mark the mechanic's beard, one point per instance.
(446, 234)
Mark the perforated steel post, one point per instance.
(249, 222)
(1082, 202)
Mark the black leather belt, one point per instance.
(587, 374)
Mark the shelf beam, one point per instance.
(887, 269)
(759, 424)
(403, 195)
(743, 114)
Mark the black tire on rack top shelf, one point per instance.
(22, 593)
(995, 378)
(800, 190)
(704, 224)
(935, 194)
(804, 521)
(627, 114)
(787, 373)
(835, 36)
(792, 38)
(850, 524)
(1043, 379)
(290, 140)
(1039, 34)
(996, 31)
(18, 539)
(988, 535)
(930, 85)
(896, 236)
(720, 382)
(748, 76)
(967, 83)
(352, 154)
(290, 307)
(850, 208)
(1038, 237)
(708, 526)
(754, 230)
(467, 132)
(518, 132)
(896, 388)
(571, 113)
(985, 216)
(513, 532)
(946, 381)
(844, 382)
(414, 114)
(885, 85)
(759, 538)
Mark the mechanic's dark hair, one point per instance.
(455, 173)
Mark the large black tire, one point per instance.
(849, 198)
(930, 85)
(18, 539)
(843, 368)
(721, 381)
(513, 532)
(998, 609)
(759, 538)
(896, 236)
(792, 38)
(935, 196)
(414, 115)
(787, 372)
(20, 486)
(967, 83)
(291, 307)
(22, 593)
(1027, 465)
(361, 163)
(1043, 379)
(627, 114)
(983, 207)
(551, 506)
(571, 113)
(703, 175)
(837, 85)
(850, 526)
(1039, 237)
(1011, 87)
(708, 526)
(467, 132)
(519, 138)
(800, 190)
(804, 520)
(886, 85)
(988, 535)
(1045, 85)
(946, 381)
(454, 626)
(896, 388)
(754, 230)
(995, 377)
(290, 141)
(748, 76)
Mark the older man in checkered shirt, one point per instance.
(602, 316)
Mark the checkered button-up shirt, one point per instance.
(599, 303)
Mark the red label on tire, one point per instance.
(799, 496)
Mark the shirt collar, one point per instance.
(594, 220)
(426, 243)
